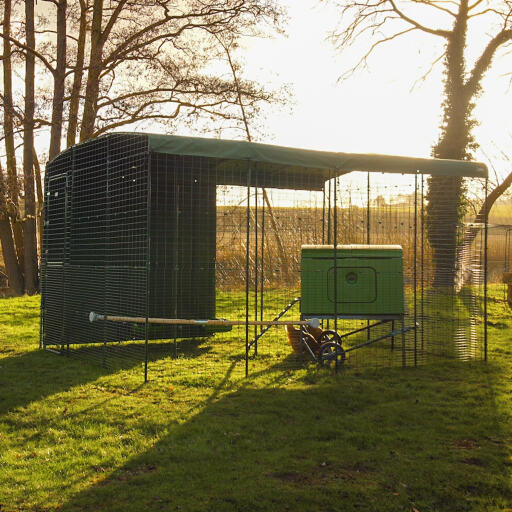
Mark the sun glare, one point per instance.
(386, 108)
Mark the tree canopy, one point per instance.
(92, 66)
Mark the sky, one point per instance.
(381, 109)
(378, 110)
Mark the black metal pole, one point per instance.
(262, 259)
(368, 208)
(247, 269)
(323, 214)
(256, 258)
(486, 239)
(329, 212)
(148, 265)
(176, 267)
(335, 241)
(323, 230)
(329, 216)
(415, 265)
(368, 332)
(422, 262)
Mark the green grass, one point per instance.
(75, 437)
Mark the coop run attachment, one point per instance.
(150, 227)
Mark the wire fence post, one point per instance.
(335, 242)
(422, 263)
(415, 276)
(486, 239)
(256, 262)
(148, 263)
(247, 269)
(262, 273)
(368, 185)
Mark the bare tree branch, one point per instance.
(33, 51)
(435, 32)
(484, 61)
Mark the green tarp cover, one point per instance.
(238, 153)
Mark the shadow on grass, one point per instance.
(429, 439)
(124, 355)
(31, 376)
(45, 373)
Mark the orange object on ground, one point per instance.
(310, 336)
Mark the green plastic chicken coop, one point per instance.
(355, 281)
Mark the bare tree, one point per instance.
(96, 66)
(228, 44)
(7, 241)
(162, 53)
(382, 21)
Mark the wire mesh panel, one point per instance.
(95, 246)
(500, 247)
(438, 321)
(280, 222)
(197, 261)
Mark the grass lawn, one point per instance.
(76, 437)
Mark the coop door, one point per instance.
(52, 269)
(354, 284)
(55, 221)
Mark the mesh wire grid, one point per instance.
(135, 233)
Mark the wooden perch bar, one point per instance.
(93, 317)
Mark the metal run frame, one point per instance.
(331, 352)
(335, 355)
(255, 282)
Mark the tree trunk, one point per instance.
(12, 179)
(443, 221)
(93, 75)
(12, 175)
(29, 225)
(74, 101)
(58, 82)
(12, 267)
(445, 193)
(40, 202)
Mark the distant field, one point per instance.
(501, 213)
(298, 226)
(389, 224)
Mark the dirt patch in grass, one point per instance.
(292, 477)
(465, 444)
(473, 461)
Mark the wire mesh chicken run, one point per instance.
(184, 253)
